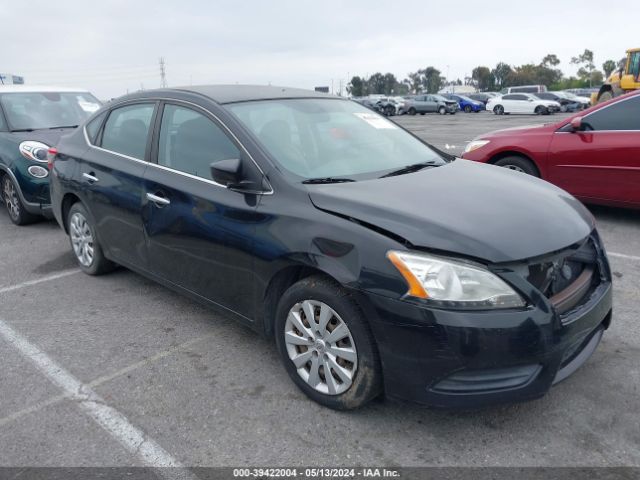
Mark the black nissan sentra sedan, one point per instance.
(376, 263)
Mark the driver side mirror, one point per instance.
(227, 172)
(576, 124)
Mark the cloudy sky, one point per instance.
(111, 46)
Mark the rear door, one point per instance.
(602, 162)
(199, 233)
(111, 180)
(509, 103)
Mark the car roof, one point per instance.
(38, 89)
(247, 93)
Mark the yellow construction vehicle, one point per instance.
(621, 81)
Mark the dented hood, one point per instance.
(465, 208)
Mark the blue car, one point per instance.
(466, 104)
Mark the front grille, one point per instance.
(567, 280)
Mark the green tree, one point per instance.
(500, 74)
(608, 67)
(550, 60)
(413, 82)
(376, 83)
(432, 81)
(357, 87)
(483, 78)
(585, 61)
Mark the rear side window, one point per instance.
(93, 127)
(127, 130)
(623, 115)
(510, 97)
(3, 125)
(189, 142)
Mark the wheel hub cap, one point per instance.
(11, 199)
(81, 239)
(321, 347)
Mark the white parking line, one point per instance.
(30, 283)
(622, 255)
(116, 424)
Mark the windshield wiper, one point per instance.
(409, 169)
(312, 181)
(63, 126)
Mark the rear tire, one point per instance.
(518, 164)
(10, 196)
(84, 242)
(350, 356)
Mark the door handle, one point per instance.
(90, 177)
(159, 201)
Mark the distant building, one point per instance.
(9, 79)
(459, 89)
(322, 89)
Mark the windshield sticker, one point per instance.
(376, 121)
(89, 107)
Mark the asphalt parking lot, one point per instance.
(116, 370)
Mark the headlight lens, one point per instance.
(35, 151)
(451, 283)
(474, 145)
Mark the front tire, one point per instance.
(605, 96)
(498, 110)
(326, 344)
(412, 111)
(467, 108)
(15, 208)
(442, 111)
(518, 164)
(84, 243)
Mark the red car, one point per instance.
(594, 154)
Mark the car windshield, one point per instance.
(46, 110)
(329, 138)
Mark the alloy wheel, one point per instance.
(320, 345)
(81, 239)
(11, 200)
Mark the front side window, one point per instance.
(624, 115)
(314, 138)
(189, 142)
(26, 111)
(127, 130)
(634, 64)
(510, 97)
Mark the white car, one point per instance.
(521, 103)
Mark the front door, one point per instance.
(200, 234)
(603, 161)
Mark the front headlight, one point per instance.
(474, 145)
(451, 283)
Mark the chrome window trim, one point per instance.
(168, 169)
